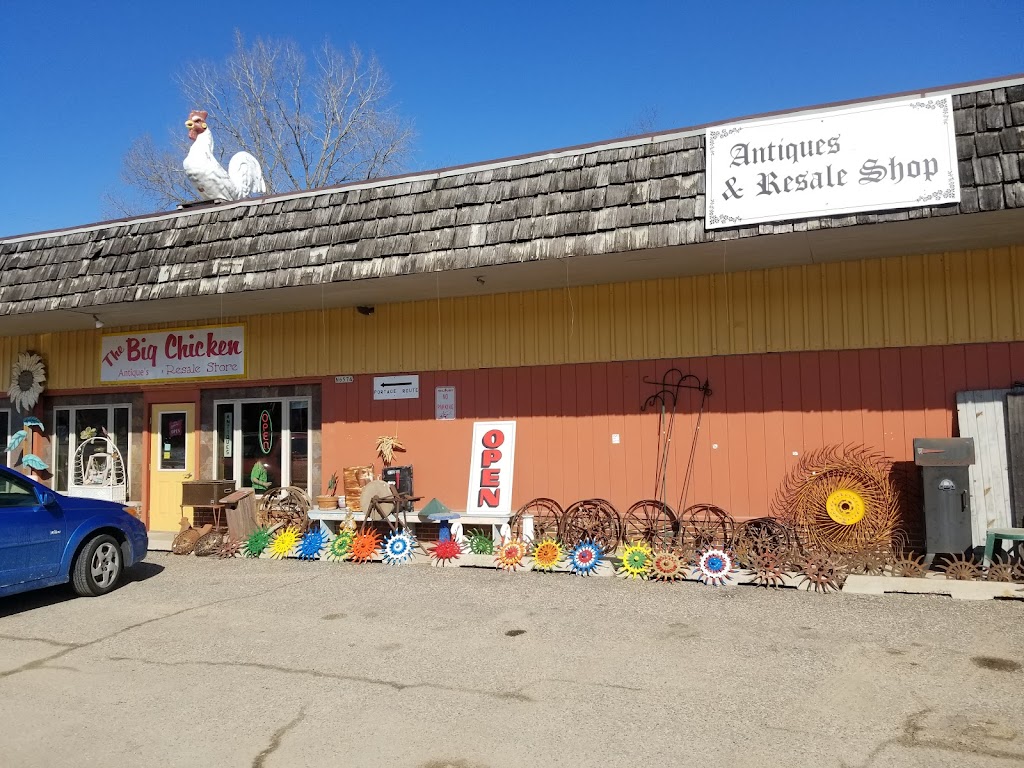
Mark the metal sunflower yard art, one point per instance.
(766, 568)
(341, 546)
(257, 542)
(547, 554)
(841, 499)
(447, 551)
(667, 566)
(637, 558)
(480, 543)
(822, 573)
(715, 567)
(365, 545)
(230, 548)
(312, 544)
(284, 543)
(585, 558)
(510, 555)
(398, 547)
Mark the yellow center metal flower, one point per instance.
(546, 554)
(284, 542)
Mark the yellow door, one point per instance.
(172, 460)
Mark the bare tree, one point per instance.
(310, 124)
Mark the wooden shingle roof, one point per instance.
(626, 196)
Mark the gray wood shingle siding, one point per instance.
(592, 201)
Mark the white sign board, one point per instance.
(444, 403)
(405, 387)
(490, 468)
(872, 157)
(213, 352)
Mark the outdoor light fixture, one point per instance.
(99, 323)
(364, 310)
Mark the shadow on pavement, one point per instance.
(40, 598)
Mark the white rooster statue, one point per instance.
(243, 178)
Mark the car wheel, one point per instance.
(98, 567)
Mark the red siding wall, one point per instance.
(764, 409)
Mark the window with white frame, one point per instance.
(76, 423)
(263, 443)
(5, 433)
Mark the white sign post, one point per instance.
(444, 403)
(213, 352)
(490, 468)
(872, 157)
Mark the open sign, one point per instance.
(266, 432)
(490, 468)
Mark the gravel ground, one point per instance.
(260, 663)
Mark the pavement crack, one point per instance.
(45, 640)
(75, 647)
(324, 675)
(275, 740)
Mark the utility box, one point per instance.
(401, 478)
(944, 466)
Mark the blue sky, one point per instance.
(81, 80)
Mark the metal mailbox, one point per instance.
(944, 466)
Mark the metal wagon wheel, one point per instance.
(705, 525)
(594, 519)
(652, 521)
(547, 518)
(759, 536)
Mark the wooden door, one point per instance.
(172, 461)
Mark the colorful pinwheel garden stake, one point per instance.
(398, 548)
(480, 543)
(585, 558)
(284, 543)
(510, 555)
(547, 554)
(364, 545)
(257, 542)
(340, 546)
(445, 552)
(636, 560)
(667, 566)
(312, 544)
(715, 567)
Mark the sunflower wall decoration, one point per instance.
(547, 554)
(636, 560)
(284, 543)
(341, 546)
(365, 545)
(667, 566)
(447, 551)
(398, 548)
(312, 544)
(585, 558)
(28, 377)
(715, 567)
(257, 542)
(510, 555)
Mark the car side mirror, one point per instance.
(47, 498)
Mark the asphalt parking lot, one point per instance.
(261, 663)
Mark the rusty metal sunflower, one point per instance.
(841, 499)
(821, 572)
(909, 567)
(868, 561)
(999, 572)
(230, 548)
(767, 569)
(667, 566)
(960, 568)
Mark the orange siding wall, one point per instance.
(765, 408)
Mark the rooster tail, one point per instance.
(247, 175)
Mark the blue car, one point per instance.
(47, 538)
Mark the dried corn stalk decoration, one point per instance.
(386, 447)
(840, 499)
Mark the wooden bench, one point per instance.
(329, 520)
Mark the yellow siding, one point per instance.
(975, 296)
